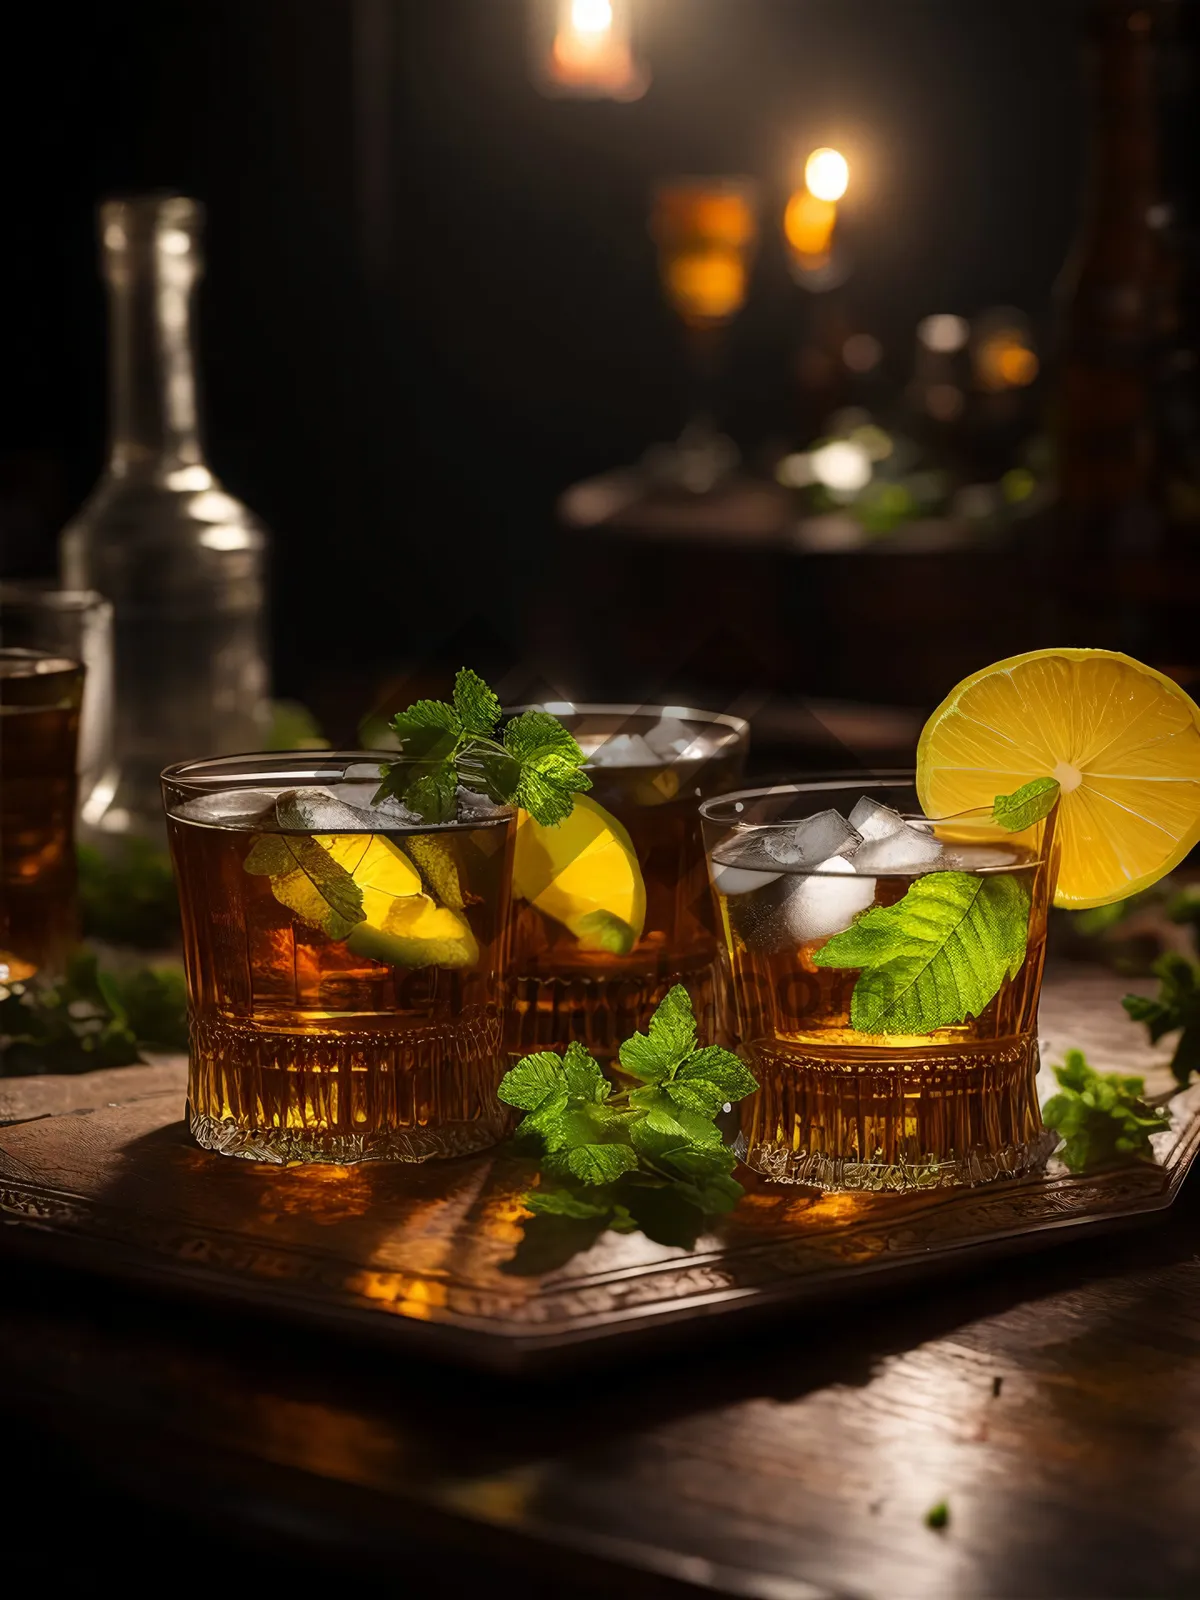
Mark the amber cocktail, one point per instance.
(344, 961)
(40, 696)
(886, 972)
(612, 907)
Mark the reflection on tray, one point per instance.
(445, 1252)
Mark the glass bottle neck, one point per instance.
(151, 261)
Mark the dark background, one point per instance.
(431, 299)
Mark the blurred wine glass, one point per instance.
(705, 230)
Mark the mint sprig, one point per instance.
(1102, 1117)
(615, 1156)
(936, 957)
(1026, 805)
(1176, 1008)
(534, 763)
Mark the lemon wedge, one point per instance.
(403, 926)
(584, 873)
(418, 933)
(1122, 741)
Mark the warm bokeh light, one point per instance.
(706, 285)
(808, 225)
(592, 16)
(1005, 361)
(591, 52)
(827, 174)
(943, 333)
(704, 230)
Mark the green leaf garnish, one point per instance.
(92, 1017)
(650, 1156)
(536, 764)
(938, 1516)
(1026, 805)
(1102, 1117)
(1175, 1007)
(308, 881)
(477, 708)
(936, 957)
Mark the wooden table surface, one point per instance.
(1052, 1402)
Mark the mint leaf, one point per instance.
(936, 957)
(722, 1069)
(534, 732)
(308, 881)
(670, 1039)
(528, 1083)
(1102, 1117)
(1026, 805)
(654, 1149)
(600, 1163)
(435, 861)
(697, 1095)
(550, 763)
(584, 1079)
(538, 766)
(428, 731)
(1176, 1007)
(548, 785)
(476, 707)
(546, 1119)
(433, 793)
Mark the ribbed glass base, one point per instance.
(284, 1146)
(894, 1119)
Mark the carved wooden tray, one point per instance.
(99, 1173)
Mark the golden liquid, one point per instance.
(842, 1109)
(39, 729)
(302, 1050)
(560, 992)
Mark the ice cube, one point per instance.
(905, 849)
(739, 880)
(671, 739)
(623, 750)
(317, 811)
(232, 808)
(826, 901)
(817, 838)
(875, 821)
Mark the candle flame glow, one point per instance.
(827, 174)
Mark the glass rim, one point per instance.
(826, 783)
(210, 774)
(980, 816)
(739, 726)
(60, 660)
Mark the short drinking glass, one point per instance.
(40, 696)
(612, 907)
(893, 1051)
(344, 961)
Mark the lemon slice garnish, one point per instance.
(1121, 739)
